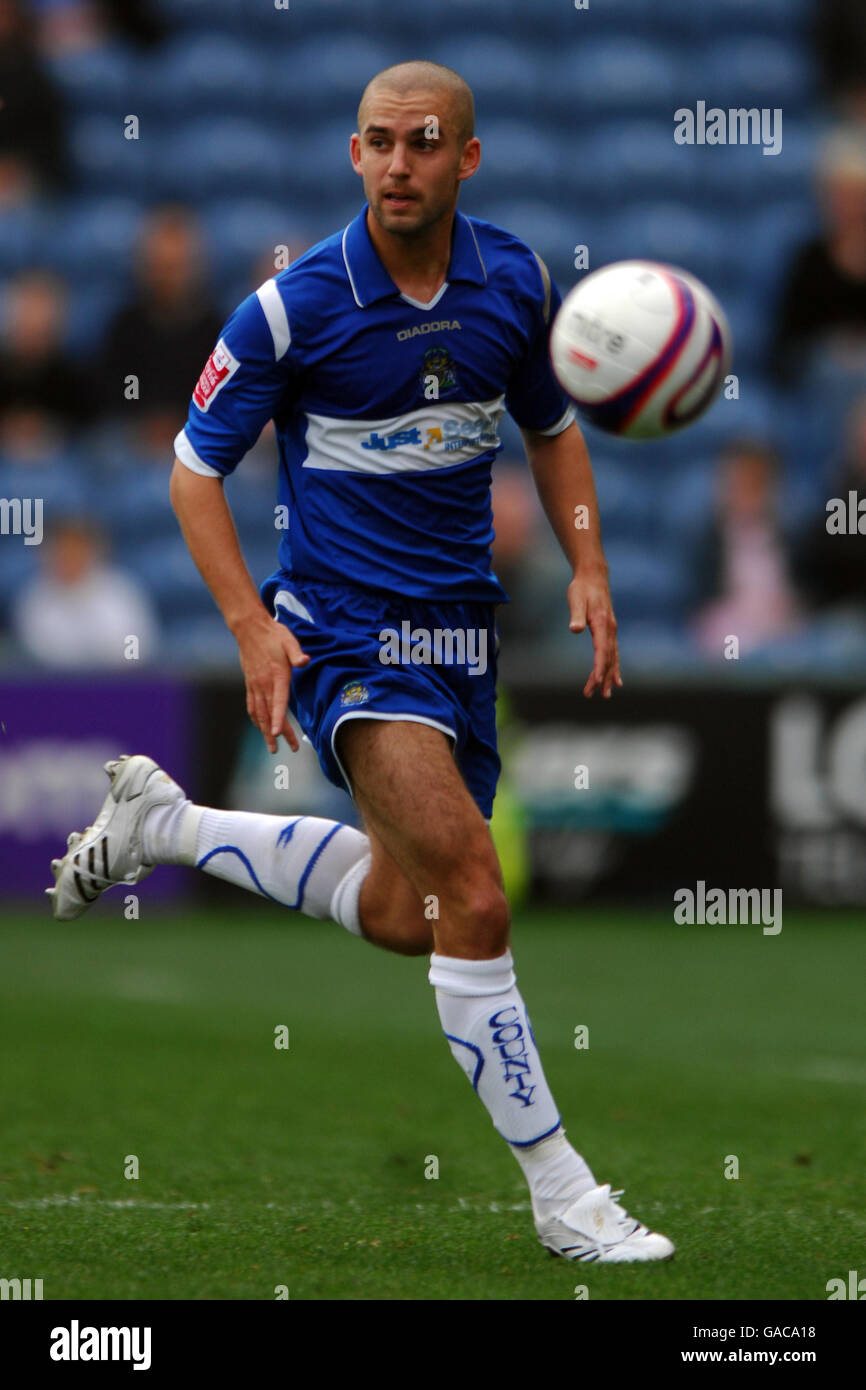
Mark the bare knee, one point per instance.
(477, 923)
(392, 915)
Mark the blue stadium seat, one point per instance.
(22, 231)
(551, 231)
(135, 509)
(219, 158)
(420, 27)
(19, 564)
(675, 232)
(830, 644)
(318, 170)
(209, 72)
(633, 159)
(61, 482)
(686, 500)
(200, 15)
(324, 76)
(626, 496)
(89, 309)
(505, 77)
(741, 17)
(757, 71)
(511, 145)
(166, 570)
(750, 329)
(100, 79)
(770, 237)
(252, 495)
(621, 74)
(743, 176)
(242, 232)
(646, 582)
(104, 162)
(100, 237)
(654, 647)
(190, 643)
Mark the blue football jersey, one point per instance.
(386, 410)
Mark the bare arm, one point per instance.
(563, 478)
(268, 650)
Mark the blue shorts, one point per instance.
(368, 660)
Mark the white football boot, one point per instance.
(595, 1228)
(109, 851)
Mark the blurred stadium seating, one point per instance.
(245, 114)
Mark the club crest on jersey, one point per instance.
(217, 369)
(439, 363)
(354, 693)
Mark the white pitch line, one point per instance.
(76, 1199)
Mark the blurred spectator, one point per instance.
(41, 387)
(824, 295)
(527, 560)
(164, 334)
(135, 20)
(744, 568)
(832, 565)
(68, 26)
(81, 611)
(840, 37)
(32, 159)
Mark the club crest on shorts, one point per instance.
(354, 693)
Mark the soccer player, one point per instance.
(386, 356)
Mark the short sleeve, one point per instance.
(240, 387)
(534, 399)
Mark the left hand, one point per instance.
(589, 604)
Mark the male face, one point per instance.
(411, 177)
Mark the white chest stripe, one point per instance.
(435, 436)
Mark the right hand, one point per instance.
(268, 653)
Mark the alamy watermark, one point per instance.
(729, 907)
(738, 125)
(22, 516)
(443, 646)
(20, 1289)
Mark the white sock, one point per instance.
(556, 1173)
(316, 866)
(490, 1035)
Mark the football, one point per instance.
(642, 348)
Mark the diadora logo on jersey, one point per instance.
(451, 435)
(217, 369)
(437, 326)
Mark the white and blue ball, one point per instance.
(642, 348)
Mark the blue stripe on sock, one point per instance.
(233, 849)
(312, 864)
(527, 1143)
(478, 1054)
(288, 831)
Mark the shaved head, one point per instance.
(403, 79)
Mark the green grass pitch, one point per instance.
(305, 1168)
